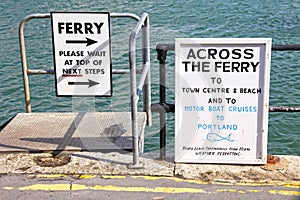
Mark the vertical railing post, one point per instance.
(146, 59)
(161, 56)
(23, 57)
(133, 95)
(133, 88)
(24, 65)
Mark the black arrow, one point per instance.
(90, 83)
(88, 41)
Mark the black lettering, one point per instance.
(60, 27)
(236, 54)
(205, 65)
(248, 52)
(245, 66)
(198, 53)
(217, 65)
(195, 66)
(235, 66)
(212, 53)
(69, 28)
(88, 28)
(186, 65)
(191, 54)
(98, 26)
(77, 28)
(226, 65)
(254, 65)
(226, 54)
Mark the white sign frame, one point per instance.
(207, 129)
(82, 53)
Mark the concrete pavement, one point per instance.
(90, 175)
(117, 164)
(114, 163)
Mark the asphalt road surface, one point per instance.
(65, 187)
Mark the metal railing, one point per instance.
(135, 90)
(163, 107)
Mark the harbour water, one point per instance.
(169, 20)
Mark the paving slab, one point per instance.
(93, 131)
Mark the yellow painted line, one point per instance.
(47, 187)
(8, 188)
(80, 176)
(285, 192)
(196, 181)
(153, 178)
(293, 184)
(145, 189)
(173, 190)
(254, 191)
(280, 192)
(113, 177)
(86, 176)
(232, 191)
(74, 187)
(49, 175)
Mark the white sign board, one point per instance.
(222, 96)
(82, 54)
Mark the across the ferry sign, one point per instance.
(222, 95)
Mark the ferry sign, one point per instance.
(222, 97)
(82, 53)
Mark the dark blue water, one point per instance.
(279, 20)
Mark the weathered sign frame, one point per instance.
(229, 124)
(84, 68)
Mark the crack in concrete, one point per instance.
(174, 171)
(71, 186)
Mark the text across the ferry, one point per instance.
(222, 92)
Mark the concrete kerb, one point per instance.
(116, 164)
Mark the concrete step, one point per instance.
(83, 131)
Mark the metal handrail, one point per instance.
(163, 107)
(27, 71)
(135, 92)
(23, 56)
(275, 47)
(144, 83)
